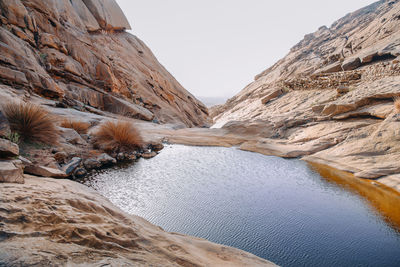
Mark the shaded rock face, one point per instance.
(60, 222)
(330, 98)
(77, 52)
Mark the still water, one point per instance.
(277, 209)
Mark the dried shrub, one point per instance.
(31, 122)
(397, 104)
(118, 136)
(79, 126)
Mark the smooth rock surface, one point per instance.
(85, 223)
(45, 171)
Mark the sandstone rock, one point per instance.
(9, 173)
(106, 160)
(63, 61)
(71, 166)
(272, 95)
(86, 16)
(45, 171)
(65, 208)
(108, 14)
(71, 136)
(334, 67)
(8, 149)
(25, 162)
(15, 12)
(351, 64)
(13, 76)
(52, 41)
(91, 164)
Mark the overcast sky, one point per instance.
(215, 47)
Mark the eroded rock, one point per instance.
(11, 173)
(8, 149)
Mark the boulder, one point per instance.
(91, 164)
(71, 166)
(106, 159)
(71, 136)
(108, 14)
(11, 173)
(334, 67)
(8, 149)
(45, 171)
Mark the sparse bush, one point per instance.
(31, 122)
(79, 126)
(118, 136)
(397, 104)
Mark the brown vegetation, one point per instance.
(31, 122)
(117, 136)
(79, 126)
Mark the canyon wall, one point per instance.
(78, 53)
(330, 99)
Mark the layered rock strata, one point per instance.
(330, 100)
(77, 52)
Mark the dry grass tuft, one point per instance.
(397, 104)
(79, 126)
(31, 122)
(118, 136)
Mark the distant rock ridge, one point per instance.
(78, 53)
(330, 99)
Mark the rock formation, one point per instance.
(78, 53)
(48, 222)
(331, 98)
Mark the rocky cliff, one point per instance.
(330, 98)
(78, 53)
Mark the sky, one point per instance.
(214, 48)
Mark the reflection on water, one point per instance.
(278, 209)
(383, 199)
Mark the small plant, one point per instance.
(79, 126)
(117, 136)
(43, 56)
(14, 137)
(397, 104)
(31, 122)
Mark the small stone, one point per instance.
(80, 173)
(156, 147)
(106, 159)
(149, 155)
(91, 164)
(8, 149)
(70, 167)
